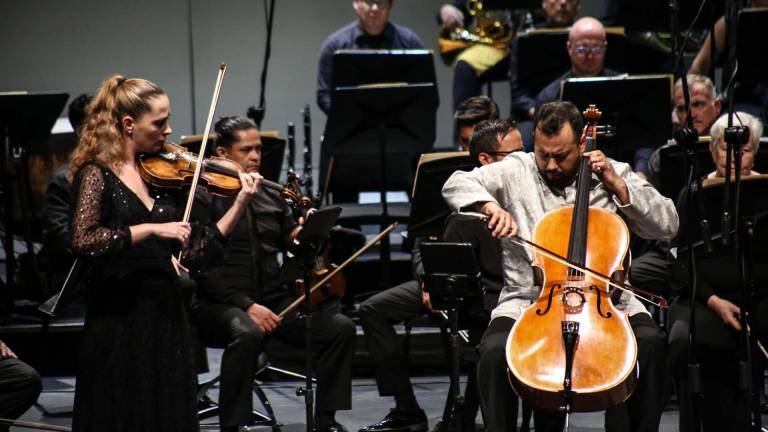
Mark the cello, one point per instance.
(572, 350)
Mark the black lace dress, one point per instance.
(136, 370)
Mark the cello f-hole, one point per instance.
(549, 300)
(599, 309)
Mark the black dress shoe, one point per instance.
(399, 421)
(333, 427)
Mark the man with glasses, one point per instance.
(371, 30)
(586, 48)
(491, 141)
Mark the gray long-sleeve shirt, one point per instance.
(517, 186)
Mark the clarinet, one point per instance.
(291, 147)
(307, 174)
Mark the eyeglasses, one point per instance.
(583, 49)
(379, 3)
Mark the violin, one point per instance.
(572, 350)
(174, 167)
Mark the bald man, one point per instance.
(586, 48)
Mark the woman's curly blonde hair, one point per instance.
(101, 136)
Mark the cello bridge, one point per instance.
(573, 299)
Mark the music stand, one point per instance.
(428, 208)
(387, 116)
(542, 56)
(299, 264)
(671, 167)
(451, 277)
(25, 119)
(645, 122)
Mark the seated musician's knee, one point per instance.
(245, 332)
(369, 310)
(344, 326)
(29, 380)
(491, 351)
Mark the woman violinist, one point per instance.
(136, 370)
(515, 193)
(239, 300)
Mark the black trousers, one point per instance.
(229, 327)
(722, 405)
(377, 315)
(641, 412)
(650, 271)
(20, 386)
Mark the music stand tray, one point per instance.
(672, 174)
(428, 208)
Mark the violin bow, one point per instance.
(201, 154)
(331, 274)
(200, 160)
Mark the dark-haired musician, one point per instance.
(515, 193)
(239, 301)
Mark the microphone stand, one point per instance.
(688, 138)
(257, 114)
(735, 138)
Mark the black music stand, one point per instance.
(672, 162)
(428, 208)
(386, 117)
(25, 119)
(299, 263)
(639, 107)
(451, 277)
(542, 56)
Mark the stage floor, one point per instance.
(368, 407)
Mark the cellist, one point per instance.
(514, 194)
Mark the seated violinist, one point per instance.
(238, 302)
(515, 193)
(723, 404)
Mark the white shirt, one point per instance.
(517, 186)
